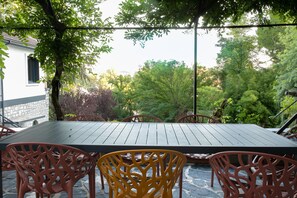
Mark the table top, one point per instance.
(184, 137)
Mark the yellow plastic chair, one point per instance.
(142, 178)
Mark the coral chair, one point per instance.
(7, 163)
(292, 133)
(142, 178)
(293, 129)
(51, 168)
(6, 160)
(198, 158)
(292, 137)
(5, 131)
(248, 174)
(196, 118)
(142, 118)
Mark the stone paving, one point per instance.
(196, 183)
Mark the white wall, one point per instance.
(15, 82)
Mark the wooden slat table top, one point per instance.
(185, 137)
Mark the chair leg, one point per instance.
(110, 193)
(102, 180)
(18, 182)
(21, 191)
(70, 192)
(92, 183)
(181, 185)
(212, 178)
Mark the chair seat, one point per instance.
(198, 156)
(128, 157)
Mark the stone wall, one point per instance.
(25, 114)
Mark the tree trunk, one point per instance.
(56, 93)
(60, 28)
(56, 82)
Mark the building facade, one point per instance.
(24, 99)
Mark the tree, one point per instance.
(269, 38)
(163, 89)
(122, 92)
(251, 110)
(3, 54)
(235, 59)
(168, 13)
(62, 51)
(248, 86)
(287, 66)
(209, 98)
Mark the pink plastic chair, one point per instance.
(292, 133)
(51, 168)
(255, 175)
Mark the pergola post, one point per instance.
(195, 69)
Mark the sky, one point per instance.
(127, 58)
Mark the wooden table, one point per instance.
(184, 137)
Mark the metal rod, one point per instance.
(284, 110)
(195, 70)
(150, 28)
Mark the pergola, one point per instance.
(170, 15)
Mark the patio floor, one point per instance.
(196, 183)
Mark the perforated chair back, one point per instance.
(5, 131)
(7, 163)
(293, 130)
(142, 178)
(256, 175)
(86, 118)
(50, 168)
(197, 118)
(142, 118)
(292, 137)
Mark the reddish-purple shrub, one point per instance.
(94, 102)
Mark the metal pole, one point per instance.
(2, 101)
(195, 69)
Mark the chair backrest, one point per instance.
(86, 118)
(5, 131)
(48, 168)
(196, 118)
(255, 174)
(7, 163)
(293, 129)
(142, 118)
(152, 172)
(292, 137)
